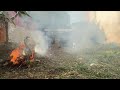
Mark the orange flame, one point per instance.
(16, 54)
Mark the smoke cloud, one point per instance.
(46, 26)
(83, 36)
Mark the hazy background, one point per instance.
(71, 29)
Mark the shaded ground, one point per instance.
(99, 63)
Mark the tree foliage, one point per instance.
(7, 17)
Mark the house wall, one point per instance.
(109, 22)
(2, 35)
(3, 30)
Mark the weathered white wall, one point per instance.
(109, 22)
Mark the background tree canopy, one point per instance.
(6, 16)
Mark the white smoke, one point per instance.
(41, 45)
(83, 35)
(79, 35)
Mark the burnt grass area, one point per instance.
(98, 63)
